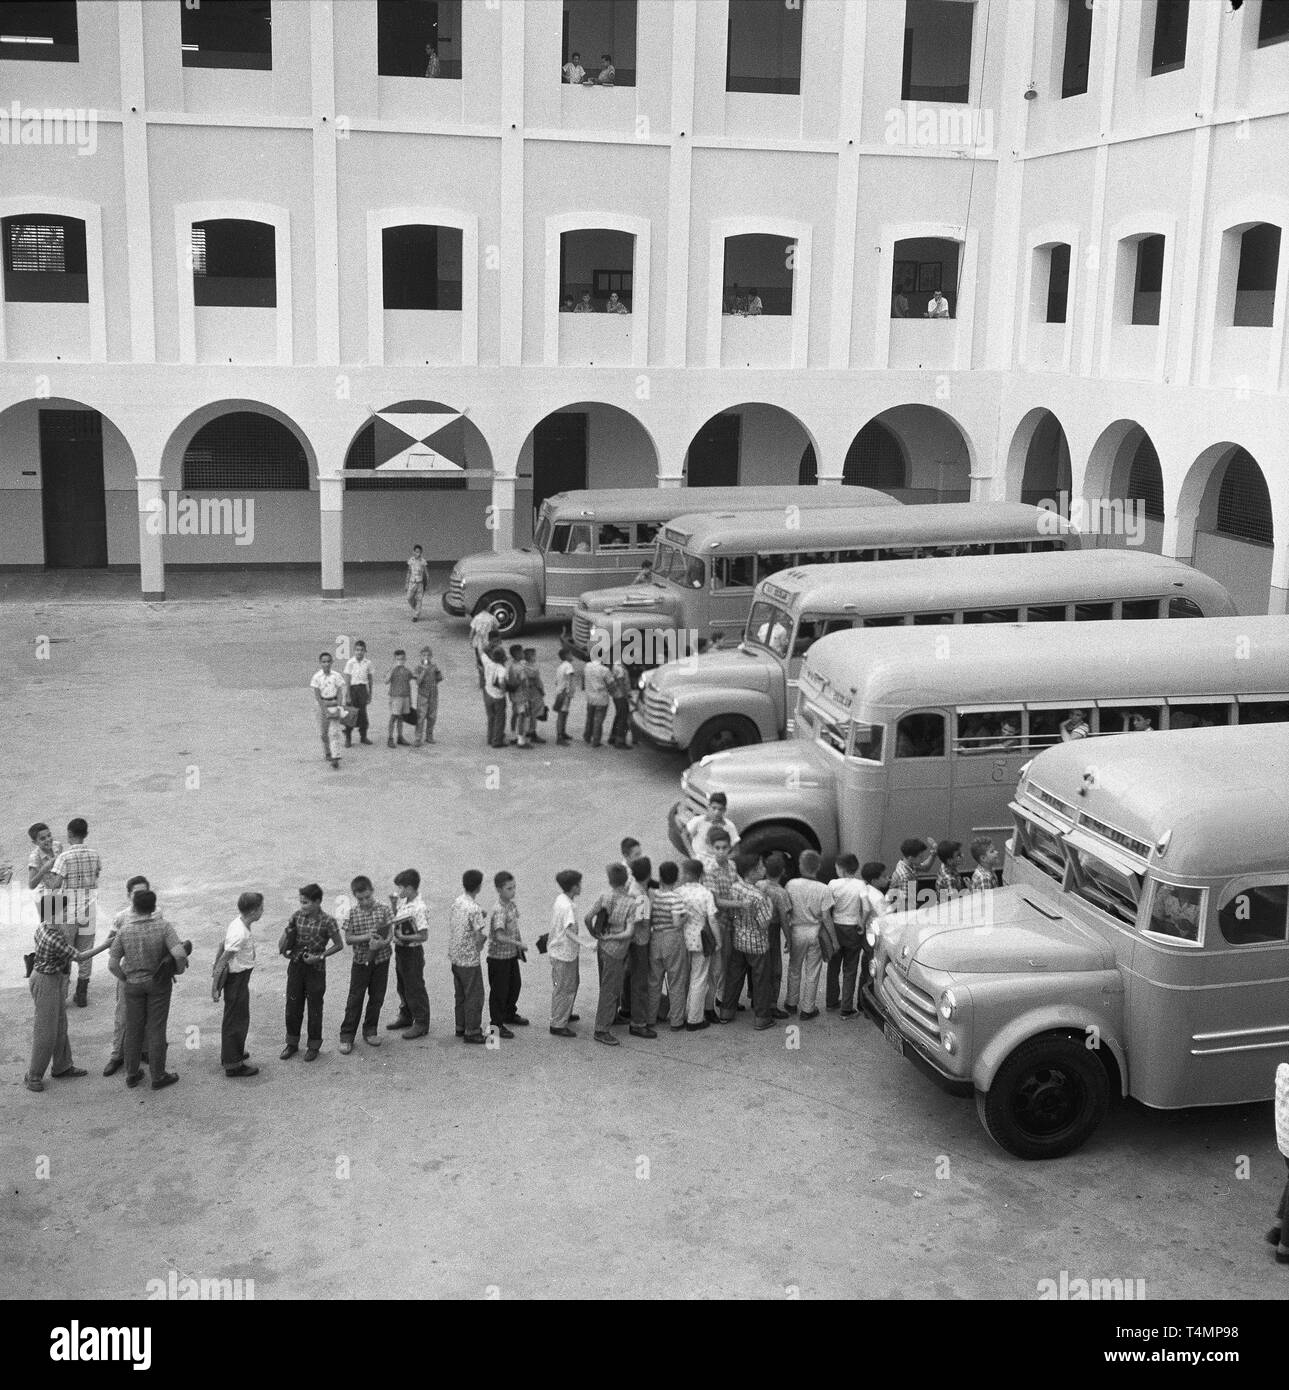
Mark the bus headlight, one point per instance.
(948, 1005)
(949, 1042)
(873, 935)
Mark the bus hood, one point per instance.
(790, 765)
(491, 568)
(1010, 931)
(627, 599)
(738, 669)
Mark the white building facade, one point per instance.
(241, 242)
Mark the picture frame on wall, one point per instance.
(929, 275)
(905, 276)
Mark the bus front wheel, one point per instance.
(792, 844)
(721, 734)
(1046, 1098)
(508, 609)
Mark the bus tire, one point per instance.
(1046, 1098)
(783, 838)
(507, 608)
(722, 733)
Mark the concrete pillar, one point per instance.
(152, 562)
(1179, 537)
(670, 480)
(501, 516)
(331, 522)
(1279, 599)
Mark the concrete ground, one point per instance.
(722, 1163)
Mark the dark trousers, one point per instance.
(843, 968)
(611, 967)
(359, 698)
(561, 723)
(147, 1010)
(237, 1017)
(593, 731)
(366, 981)
(496, 721)
(1282, 1213)
(776, 964)
(467, 983)
(409, 979)
(621, 721)
(757, 970)
(304, 983)
(503, 989)
(638, 963)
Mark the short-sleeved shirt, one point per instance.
(700, 827)
(330, 685)
(595, 678)
(902, 894)
(718, 878)
(239, 940)
(400, 683)
(482, 626)
(564, 943)
(624, 908)
(374, 918)
(946, 884)
(313, 932)
(467, 924)
(847, 901)
(810, 899)
(54, 953)
(142, 944)
(574, 72)
(699, 907)
(982, 879)
(358, 672)
(752, 924)
(38, 859)
(411, 914)
(79, 867)
(666, 910)
(504, 940)
(494, 679)
(779, 900)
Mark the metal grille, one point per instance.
(198, 250)
(362, 454)
(1118, 837)
(1146, 479)
(874, 459)
(245, 451)
(1243, 504)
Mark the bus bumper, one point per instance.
(453, 603)
(643, 731)
(906, 1048)
(674, 827)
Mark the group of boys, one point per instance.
(513, 676)
(343, 698)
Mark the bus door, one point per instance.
(568, 566)
(919, 785)
(1210, 1015)
(730, 587)
(988, 753)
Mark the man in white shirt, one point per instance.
(700, 911)
(239, 956)
(938, 308)
(574, 72)
(698, 828)
(328, 688)
(754, 307)
(812, 904)
(595, 682)
(358, 685)
(564, 946)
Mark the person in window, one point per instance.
(613, 538)
(900, 304)
(1176, 912)
(694, 574)
(753, 303)
(433, 68)
(1009, 734)
(731, 300)
(574, 72)
(645, 574)
(1137, 723)
(584, 305)
(1074, 726)
(615, 305)
(938, 308)
(608, 73)
(567, 306)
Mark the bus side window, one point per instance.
(1093, 612)
(1045, 547)
(989, 732)
(1140, 608)
(559, 540)
(1008, 547)
(920, 736)
(895, 620)
(1264, 712)
(1130, 719)
(1198, 716)
(1046, 613)
(1045, 727)
(646, 534)
(767, 565)
(837, 625)
(1184, 608)
(933, 619)
(577, 542)
(1176, 910)
(1256, 913)
(732, 572)
(612, 537)
(850, 557)
(808, 630)
(990, 615)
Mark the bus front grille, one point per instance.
(655, 713)
(581, 632)
(912, 1006)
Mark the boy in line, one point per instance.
(51, 969)
(399, 682)
(812, 903)
(358, 678)
(76, 873)
(623, 909)
(848, 913)
(668, 956)
(700, 912)
(985, 855)
(751, 944)
(116, 1058)
(776, 873)
(147, 954)
(875, 881)
(310, 937)
(595, 683)
(916, 856)
(494, 696)
(515, 690)
(239, 955)
(564, 946)
(720, 875)
(411, 931)
(566, 682)
(369, 929)
(426, 678)
(948, 877)
(505, 951)
(467, 931)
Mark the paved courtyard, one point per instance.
(722, 1163)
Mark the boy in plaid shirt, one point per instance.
(750, 955)
(369, 929)
(719, 876)
(51, 967)
(505, 951)
(310, 937)
(76, 872)
(467, 931)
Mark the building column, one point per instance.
(670, 480)
(1279, 600)
(152, 560)
(501, 514)
(331, 522)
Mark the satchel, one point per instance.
(708, 939)
(286, 942)
(218, 977)
(409, 716)
(828, 943)
(543, 941)
(600, 922)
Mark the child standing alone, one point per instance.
(399, 682)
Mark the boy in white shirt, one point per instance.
(811, 909)
(875, 881)
(574, 72)
(700, 911)
(238, 955)
(358, 686)
(564, 945)
(848, 913)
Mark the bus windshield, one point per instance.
(769, 626)
(672, 564)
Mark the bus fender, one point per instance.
(1096, 1031)
(695, 706)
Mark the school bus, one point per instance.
(594, 538)
(907, 731)
(729, 698)
(707, 567)
(1141, 947)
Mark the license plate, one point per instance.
(893, 1039)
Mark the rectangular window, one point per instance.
(937, 50)
(1136, 608)
(1058, 282)
(1041, 847)
(1273, 22)
(1104, 887)
(42, 32)
(1199, 716)
(227, 34)
(933, 619)
(1177, 911)
(763, 48)
(602, 35)
(44, 260)
(991, 615)
(1046, 613)
(1255, 914)
(418, 38)
(1148, 280)
(989, 731)
(1168, 52)
(1093, 612)
(234, 264)
(1263, 711)
(421, 267)
(1078, 46)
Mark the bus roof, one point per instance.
(851, 526)
(986, 580)
(1233, 817)
(660, 504)
(895, 668)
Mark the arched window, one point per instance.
(1146, 479)
(875, 459)
(244, 451)
(757, 275)
(1243, 503)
